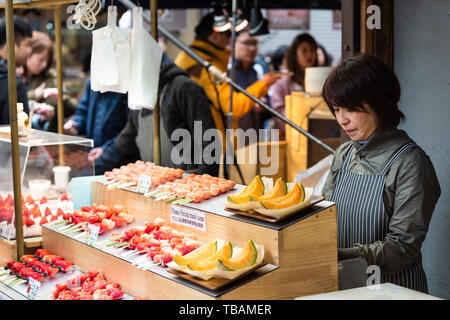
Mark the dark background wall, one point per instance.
(422, 63)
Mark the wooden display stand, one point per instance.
(301, 250)
(8, 248)
(312, 114)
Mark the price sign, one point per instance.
(92, 234)
(33, 288)
(144, 184)
(187, 217)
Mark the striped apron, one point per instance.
(362, 217)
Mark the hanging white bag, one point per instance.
(110, 62)
(146, 57)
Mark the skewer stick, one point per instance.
(17, 282)
(65, 227)
(81, 235)
(128, 184)
(149, 266)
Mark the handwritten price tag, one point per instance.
(144, 184)
(33, 288)
(92, 234)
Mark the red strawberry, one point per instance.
(29, 222)
(29, 199)
(47, 212)
(64, 197)
(59, 212)
(43, 221)
(43, 200)
(53, 218)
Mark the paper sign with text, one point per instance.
(144, 184)
(92, 234)
(33, 288)
(187, 217)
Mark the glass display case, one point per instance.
(48, 162)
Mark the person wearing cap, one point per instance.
(22, 36)
(212, 46)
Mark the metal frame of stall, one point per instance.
(155, 28)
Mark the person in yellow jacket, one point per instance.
(212, 46)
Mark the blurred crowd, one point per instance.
(106, 118)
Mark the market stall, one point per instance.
(273, 257)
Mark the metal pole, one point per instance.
(12, 94)
(59, 71)
(229, 140)
(156, 116)
(217, 73)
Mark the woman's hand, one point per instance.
(271, 77)
(39, 91)
(71, 128)
(46, 111)
(94, 154)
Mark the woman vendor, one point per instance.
(384, 185)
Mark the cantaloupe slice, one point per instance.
(210, 263)
(204, 252)
(295, 196)
(245, 258)
(279, 189)
(254, 189)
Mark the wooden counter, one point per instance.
(304, 250)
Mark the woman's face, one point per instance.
(37, 62)
(306, 55)
(358, 125)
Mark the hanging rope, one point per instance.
(86, 12)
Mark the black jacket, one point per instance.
(182, 102)
(4, 101)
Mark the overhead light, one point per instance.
(221, 23)
(258, 24)
(241, 23)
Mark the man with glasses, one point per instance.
(248, 71)
(212, 46)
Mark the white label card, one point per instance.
(188, 217)
(33, 288)
(92, 234)
(144, 184)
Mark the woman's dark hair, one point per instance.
(367, 80)
(291, 59)
(328, 59)
(22, 30)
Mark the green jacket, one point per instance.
(410, 195)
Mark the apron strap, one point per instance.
(396, 155)
(347, 159)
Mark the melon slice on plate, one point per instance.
(280, 209)
(245, 258)
(210, 263)
(204, 252)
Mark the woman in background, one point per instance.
(41, 81)
(301, 54)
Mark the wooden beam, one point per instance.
(378, 42)
(15, 152)
(41, 4)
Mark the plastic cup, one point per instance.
(61, 176)
(39, 187)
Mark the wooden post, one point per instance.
(378, 42)
(12, 94)
(156, 117)
(60, 107)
